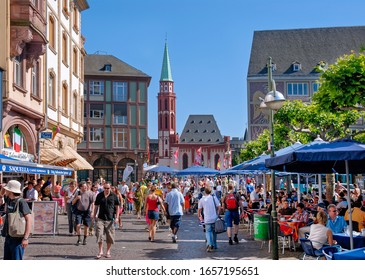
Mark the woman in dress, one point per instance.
(138, 200)
(121, 205)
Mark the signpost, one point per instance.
(46, 135)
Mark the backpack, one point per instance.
(231, 201)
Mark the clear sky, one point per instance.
(209, 45)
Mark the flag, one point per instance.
(198, 156)
(7, 140)
(127, 171)
(17, 139)
(176, 156)
(55, 130)
(219, 164)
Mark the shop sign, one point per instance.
(18, 155)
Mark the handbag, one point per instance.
(16, 222)
(220, 225)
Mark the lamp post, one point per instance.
(273, 101)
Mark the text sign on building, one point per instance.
(46, 135)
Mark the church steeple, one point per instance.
(166, 111)
(166, 68)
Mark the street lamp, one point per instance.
(273, 101)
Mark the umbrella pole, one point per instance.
(320, 188)
(298, 189)
(349, 204)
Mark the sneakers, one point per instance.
(230, 241)
(235, 239)
(209, 248)
(174, 238)
(84, 242)
(78, 243)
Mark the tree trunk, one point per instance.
(330, 181)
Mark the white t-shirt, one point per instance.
(123, 189)
(210, 212)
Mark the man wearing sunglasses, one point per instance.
(335, 223)
(107, 203)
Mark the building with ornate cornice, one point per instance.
(42, 81)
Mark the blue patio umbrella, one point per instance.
(258, 163)
(342, 156)
(162, 169)
(197, 170)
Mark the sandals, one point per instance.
(108, 256)
(98, 256)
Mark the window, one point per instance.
(96, 88)
(64, 98)
(166, 107)
(297, 89)
(75, 61)
(315, 87)
(51, 33)
(75, 107)
(96, 134)
(120, 114)
(64, 48)
(120, 91)
(52, 89)
(85, 134)
(65, 6)
(35, 79)
(297, 67)
(96, 111)
(18, 70)
(120, 138)
(166, 122)
(76, 18)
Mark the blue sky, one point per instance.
(209, 44)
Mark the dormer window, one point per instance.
(196, 131)
(297, 66)
(107, 68)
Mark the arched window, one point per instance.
(216, 160)
(51, 32)
(64, 98)
(185, 159)
(166, 153)
(166, 106)
(166, 122)
(172, 122)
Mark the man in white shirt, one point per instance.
(123, 188)
(31, 194)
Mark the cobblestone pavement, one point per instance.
(131, 243)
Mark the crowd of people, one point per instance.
(97, 208)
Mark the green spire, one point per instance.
(166, 69)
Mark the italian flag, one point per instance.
(17, 139)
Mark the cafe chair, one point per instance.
(309, 250)
(355, 225)
(285, 236)
(328, 251)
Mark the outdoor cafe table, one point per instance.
(294, 225)
(356, 254)
(343, 239)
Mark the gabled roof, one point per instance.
(307, 46)
(95, 65)
(201, 129)
(166, 68)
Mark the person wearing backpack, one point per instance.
(231, 201)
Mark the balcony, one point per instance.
(28, 28)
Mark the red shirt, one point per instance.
(152, 204)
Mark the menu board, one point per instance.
(45, 217)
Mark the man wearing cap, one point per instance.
(14, 246)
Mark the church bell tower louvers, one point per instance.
(166, 112)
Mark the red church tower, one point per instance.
(166, 112)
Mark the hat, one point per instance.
(13, 186)
(322, 205)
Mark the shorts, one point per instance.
(106, 227)
(175, 221)
(153, 215)
(83, 217)
(231, 217)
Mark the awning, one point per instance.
(80, 163)
(12, 165)
(51, 155)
